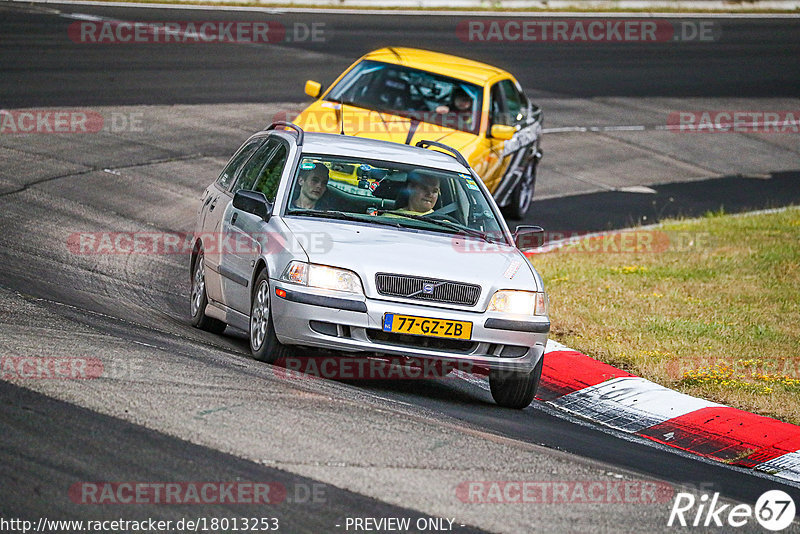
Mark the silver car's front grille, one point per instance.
(414, 287)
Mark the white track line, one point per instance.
(722, 128)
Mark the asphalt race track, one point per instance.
(175, 404)
(745, 58)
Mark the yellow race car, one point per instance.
(407, 95)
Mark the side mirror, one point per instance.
(253, 202)
(503, 132)
(313, 89)
(528, 237)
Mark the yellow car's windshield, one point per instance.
(413, 93)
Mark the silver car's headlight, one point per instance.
(322, 276)
(519, 302)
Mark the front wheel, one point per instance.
(264, 344)
(513, 389)
(199, 299)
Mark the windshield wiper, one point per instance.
(443, 223)
(327, 214)
(340, 215)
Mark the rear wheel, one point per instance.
(522, 196)
(199, 299)
(264, 344)
(515, 390)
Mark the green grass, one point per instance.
(711, 308)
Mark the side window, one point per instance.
(263, 171)
(252, 169)
(226, 178)
(499, 115)
(270, 176)
(516, 104)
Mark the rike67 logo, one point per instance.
(774, 510)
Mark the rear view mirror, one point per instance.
(253, 202)
(528, 237)
(313, 89)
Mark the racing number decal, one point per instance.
(513, 154)
(521, 140)
(514, 149)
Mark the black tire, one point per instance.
(522, 196)
(515, 390)
(198, 299)
(264, 344)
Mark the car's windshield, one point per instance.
(413, 93)
(396, 194)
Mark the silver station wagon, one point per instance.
(370, 249)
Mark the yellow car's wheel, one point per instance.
(522, 196)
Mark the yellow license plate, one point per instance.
(426, 326)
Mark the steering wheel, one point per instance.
(437, 215)
(444, 211)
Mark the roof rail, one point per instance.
(453, 152)
(286, 124)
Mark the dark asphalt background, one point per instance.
(46, 444)
(42, 67)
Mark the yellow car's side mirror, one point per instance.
(502, 132)
(313, 89)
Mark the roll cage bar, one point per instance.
(299, 133)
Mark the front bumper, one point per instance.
(326, 319)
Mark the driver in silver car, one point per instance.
(423, 192)
(313, 184)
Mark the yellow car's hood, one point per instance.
(323, 116)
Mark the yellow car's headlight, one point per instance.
(519, 302)
(323, 277)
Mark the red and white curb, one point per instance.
(601, 393)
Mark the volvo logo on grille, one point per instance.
(414, 287)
